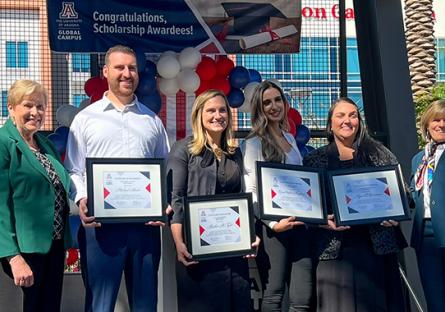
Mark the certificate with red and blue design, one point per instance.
(126, 190)
(367, 195)
(290, 190)
(219, 226)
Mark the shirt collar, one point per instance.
(108, 105)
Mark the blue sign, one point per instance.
(155, 26)
(94, 26)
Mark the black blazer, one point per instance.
(190, 175)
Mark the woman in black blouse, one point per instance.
(207, 163)
(357, 269)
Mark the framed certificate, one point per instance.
(290, 190)
(219, 226)
(126, 189)
(368, 195)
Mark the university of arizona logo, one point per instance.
(68, 11)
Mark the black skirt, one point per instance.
(359, 281)
(214, 286)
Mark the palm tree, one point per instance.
(421, 45)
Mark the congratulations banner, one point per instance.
(155, 26)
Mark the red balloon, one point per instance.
(203, 86)
(295, 116)
(104, 83)
(96, 96)
(223, 66)
(92, 85)
(206, 69)
(292, 126)
(220, 83)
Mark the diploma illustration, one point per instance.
(291, 193)
(267, 36)
(127, 190)
(367, 195)
(219, 226)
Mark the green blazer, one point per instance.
(27, 195)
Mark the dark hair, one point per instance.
(270, 149)
(362, 132)
(118, 48)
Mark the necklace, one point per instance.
(218, 152)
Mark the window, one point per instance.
(81, 62)
(78, 98)
(440, 57)
(4, 104)
(16, 54)
(352, 60)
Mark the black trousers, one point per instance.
(46, 292)
(284, 261)
(431, 262)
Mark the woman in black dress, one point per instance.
(357, 268)
(207, 163)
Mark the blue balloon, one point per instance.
(141, 60)
(235, 98)
(150, 68)
(303, 150)
(153, 102)
(255, 75)
(63, 131)
(58, 141)
(147, 84)
(239, 77)
(303, 135)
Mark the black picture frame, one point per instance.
(301, 187)
(125, 180)
(197, 211)
(355, 193)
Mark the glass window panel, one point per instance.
(22, 55)
(11, 54)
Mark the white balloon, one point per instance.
(84, 103)
(275, 81)
(248, 93)
(168, 53)
(168, 86)
(189, 58)
(188, 80)
(65, 114)
(168, 67)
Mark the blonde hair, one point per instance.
(271, 151)
(21, 88)
(434, 110)
(200, 139)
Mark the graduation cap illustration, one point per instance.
(250, 18)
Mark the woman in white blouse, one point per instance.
(285, 258)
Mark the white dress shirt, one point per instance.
(425, 189)
(252, 152)
(102, 130)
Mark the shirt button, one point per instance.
(433, 202)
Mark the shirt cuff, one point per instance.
(271, 224)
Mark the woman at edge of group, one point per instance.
(34, 229)
(428, 192)
(207, 163)
(285, 258)
(357, 268)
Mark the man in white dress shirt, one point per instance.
(120, 126)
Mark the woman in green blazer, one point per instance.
(34, 229)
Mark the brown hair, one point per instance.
(435, 109)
